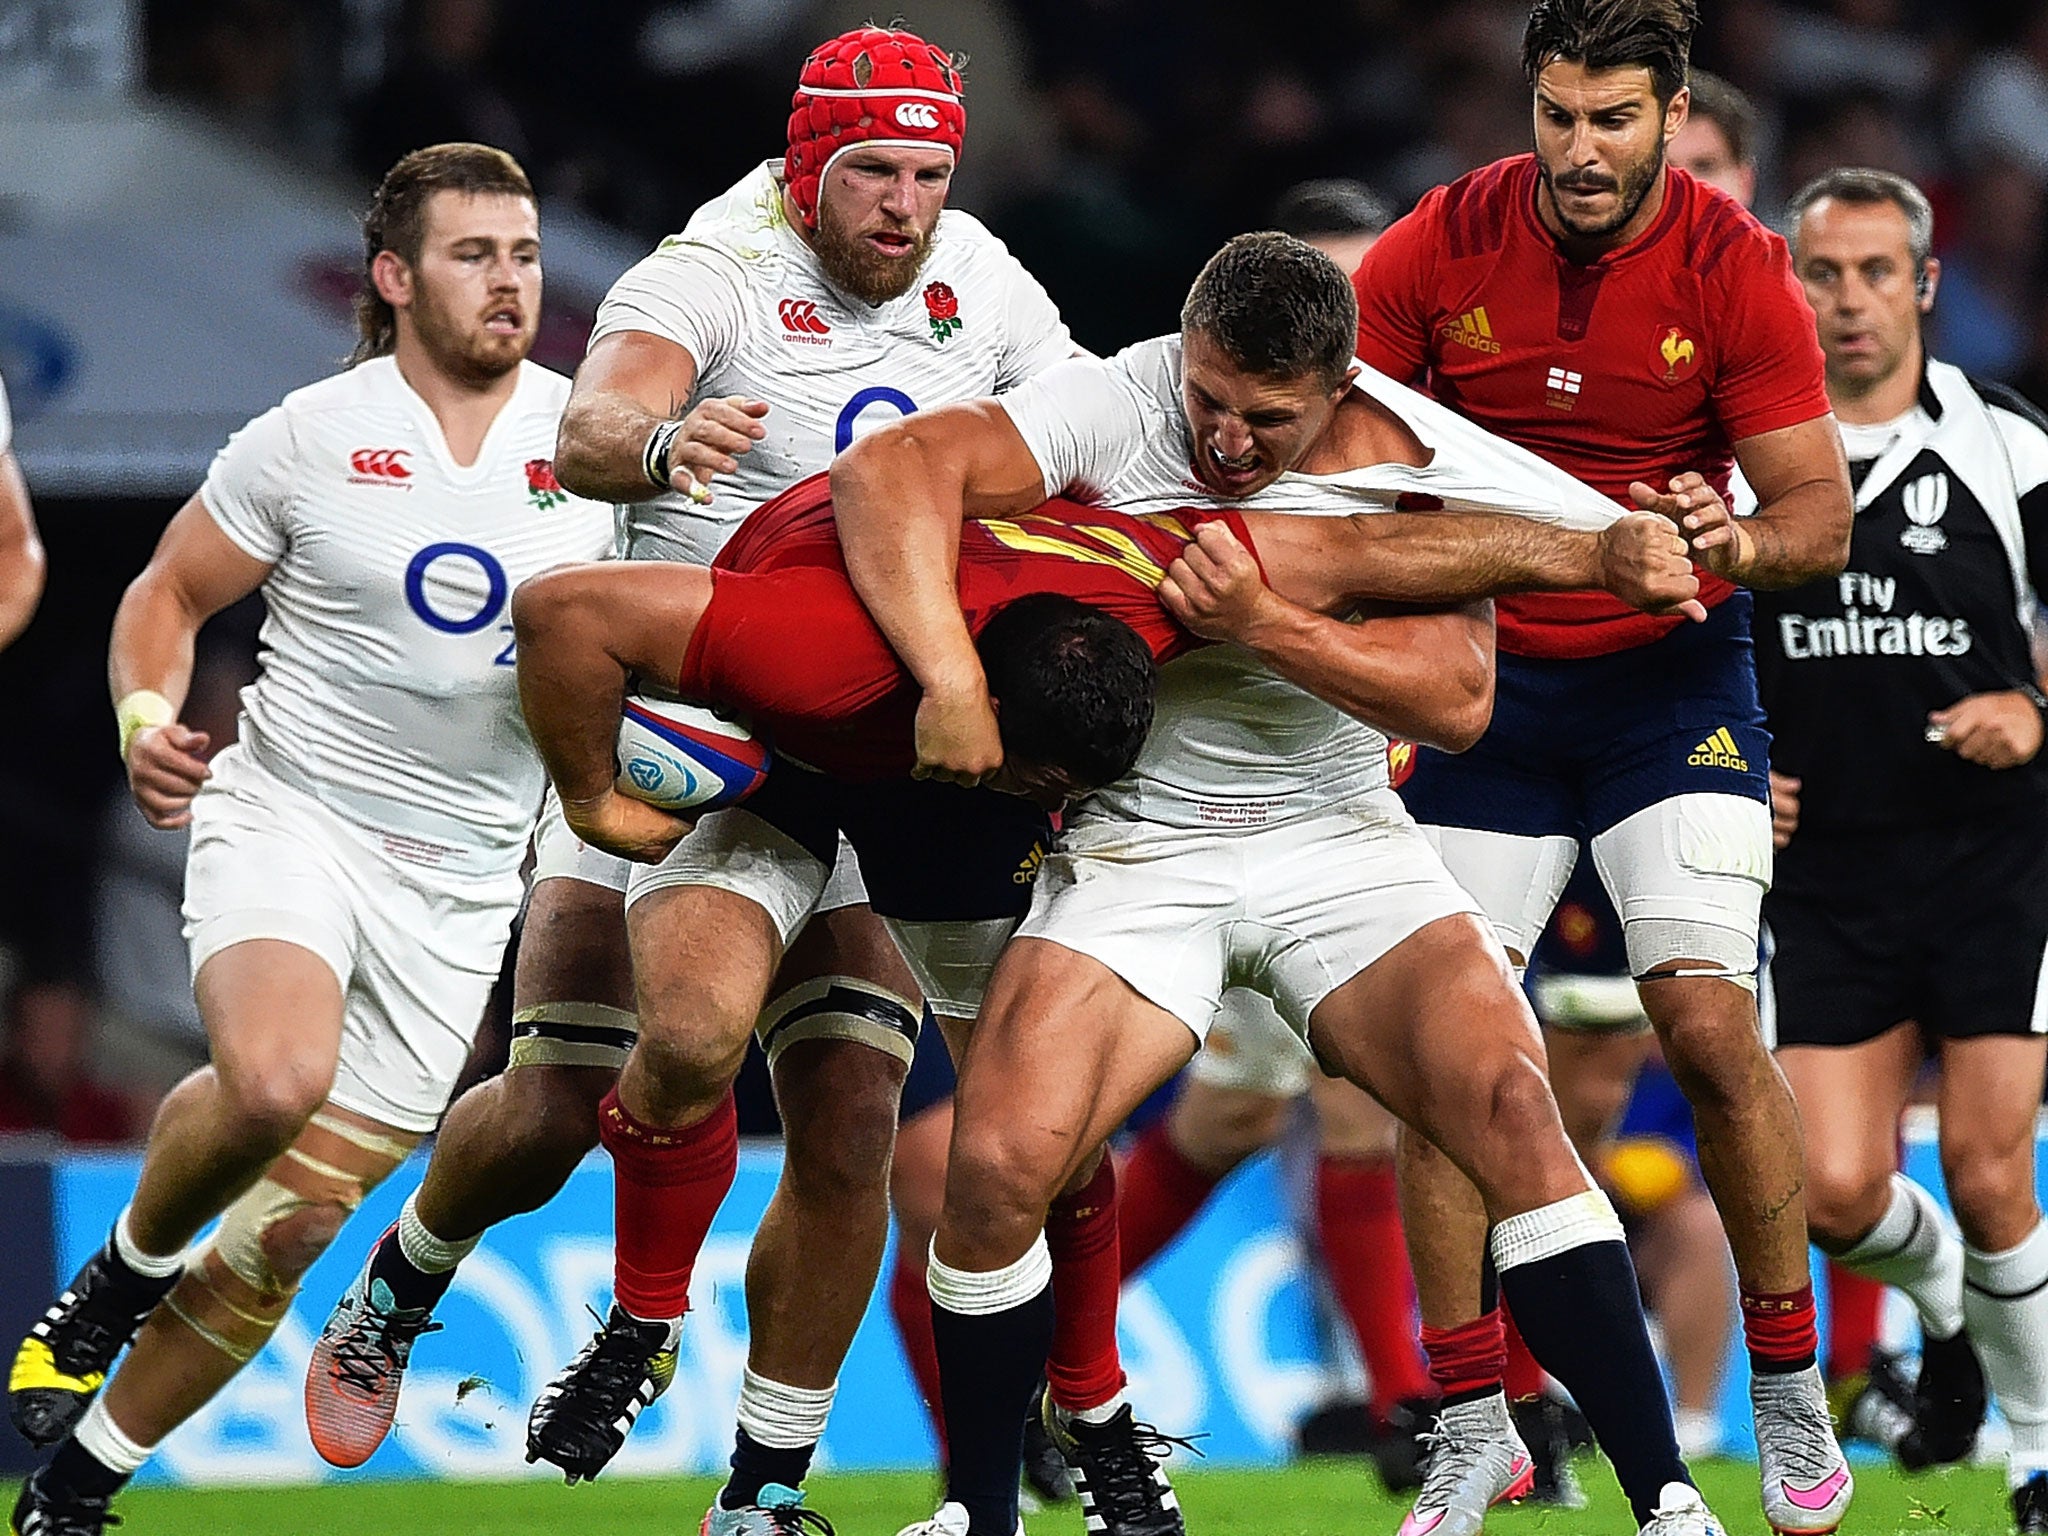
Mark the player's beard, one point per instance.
(1632, 185)
(461, 346)
(855, 266)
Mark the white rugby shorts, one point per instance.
(1292, 910)
(1251, 1049)
(735, 850)
(413, 930)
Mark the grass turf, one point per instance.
(1328, 1498)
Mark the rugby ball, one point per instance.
(684, 757)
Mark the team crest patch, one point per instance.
(541, 485)
(1925, 500)
(944, 310)
(1677, 355)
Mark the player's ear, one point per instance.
(393, 279)
(1676, 111)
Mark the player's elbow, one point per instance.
(579, 457)
(1463, 706)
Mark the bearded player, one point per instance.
(355, 861)
(1616, 316)
(820, 295)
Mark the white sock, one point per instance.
(1101, 1413)
(973, 1293)
(155, 1266)
(783, 1418)
(1559, 1227)
(2005, 1303)
(1915, 1247)
(101, 1438)
(425, 1252)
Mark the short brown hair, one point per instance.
(1727, 109)
(1614, 34)
(397, 222)
(1276, 307)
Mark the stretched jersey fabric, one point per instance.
(1651, 361)
(386, 687)
(786, 642)
(1949, 548)
(744, 295)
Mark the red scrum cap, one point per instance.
(869, 86)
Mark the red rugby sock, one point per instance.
(1083, 1370)
(1780, 1329)
(1525, 1377)
(1469, 1360)
(667, 1185)
(1358, 1221)
(1159, 1193)
(911, 1305)
(1855, 1304)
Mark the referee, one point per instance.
(1910, 908)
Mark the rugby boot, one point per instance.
(1545, 1427)
(1948, 1405)
(1876, 1407)
(951, 1520)
(1681, 1511)
(41, 1511)
(1118, 1472)
(1806, 1482)
(1045, 1469)
(581, 1418)
(2030, 1506)
(358, 1366)
(779, 1511)
(61, 1364)
(1475, 1460)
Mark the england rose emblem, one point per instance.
(542, 485)
(944, 310)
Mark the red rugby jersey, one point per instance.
(1653, 360)
(786, 642)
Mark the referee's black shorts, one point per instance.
(1946, 926)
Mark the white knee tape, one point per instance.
(840, 1008)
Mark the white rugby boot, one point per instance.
(951, 1520)
(1475, 1460)
(1681, 1511)
(1806, 1481)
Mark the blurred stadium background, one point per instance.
(178, 186)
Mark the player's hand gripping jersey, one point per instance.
(743, 294)
(786, 641)
(1232, 744)
(387, 688)
(1704, 339)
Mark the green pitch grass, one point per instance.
(1315, 1499)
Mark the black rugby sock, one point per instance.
(411, 1287)
(76, 1472)
(989, 1368)
(755, 1466)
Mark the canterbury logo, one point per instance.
(379, 464)
(917, 114)
(1472, 329)
(801, 316)
(1718, 751)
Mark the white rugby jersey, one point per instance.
(745, 296)
(387, 687)
(1232, 743)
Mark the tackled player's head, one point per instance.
(875, 128)
(1863, 246)
(1267, 336)
(451, 256)
(1610, 87)
(1073, 689)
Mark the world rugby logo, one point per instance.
(1925, 500)
(917, 114)
(651, 775)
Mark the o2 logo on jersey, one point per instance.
(435, 608)
(879, 394)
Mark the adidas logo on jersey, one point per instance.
(1718, 751)
(1027, 867)
(1472, 329)
(802, 322)
(379, 466)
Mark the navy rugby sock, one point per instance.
(755, 1466)
(993, 1332)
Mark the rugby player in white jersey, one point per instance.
(1256, 842)
(819, 296)
(355, 859)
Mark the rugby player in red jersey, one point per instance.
(1614, 315)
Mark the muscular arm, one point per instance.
(21, 554)
(1425, 676)
(899, 496)
(195, 572)
(581, 632)
(631, 383)
(1804, 508)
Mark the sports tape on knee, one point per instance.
(1552, 1229)
(1662, 947)
(572, 1035)
(840, 1008)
